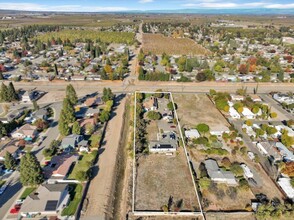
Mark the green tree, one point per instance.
(153, 115)
(76, 129)
(104, 116)
(236, 169)
(4, 93)
(68, 111)
(1, 75)
(63, 124)
(30, 170)
(35, 105)
(107, 95)
(202, 128)
(170, 106)
(12, 95)
(10, 161)
(71, 94)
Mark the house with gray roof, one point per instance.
(71, 141)
(218, 175)
(48, 199)
(167, 142)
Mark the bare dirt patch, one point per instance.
(158, 44)
(197, 108)
(159, 177)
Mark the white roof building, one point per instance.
(285, 152)
(247, 172)
(233, 113)
(285, 184)
(247, 113)
(193, 133)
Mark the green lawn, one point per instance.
(2, 182)
(83, 164)
(27, 192)
(75, 199)
(95, 140)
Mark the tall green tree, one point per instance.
(12, 95)
(76, 129)
(107, 95)
(4, 93)
(1, 76)
(10, 161)
(30, 170)
(68, 111)
(71, 94)
(63, 124)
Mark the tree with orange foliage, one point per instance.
(243, 69)
(289, 169)
(108, 68)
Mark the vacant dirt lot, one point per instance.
(197, 108)
(159, 177)
(158, 44)
(164, 218)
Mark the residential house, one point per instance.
(218, 130)
(28, 96)
(269, 149)
(192, 133)
(87, 123)
(218, 175)
(11, 149)
(27, 132)
(150, 104)
(48, 199)
(247, 172)
(41, 114)
(167, 142)
(284, 183)
(237, 97)
(71, 141)
(59, 166)
(93, 101)
(255, 98)
(233, 113)
(285, 152)
(247, 113)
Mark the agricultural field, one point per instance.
(159, 177)
(82, 35)
(192, 110)
(158, 44)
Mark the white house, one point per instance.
(285, 152)
(247, 113)
(233, 113)
(247, 172)
(286, 186)
(191, 134)
(218, 130)
(237, 97)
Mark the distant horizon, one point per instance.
(146, 5)
(208, 11)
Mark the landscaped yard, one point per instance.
(83, 166)
(27, 192)
(75, 199)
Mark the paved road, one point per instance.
(10, 195)
(267, 98)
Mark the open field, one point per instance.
(72, 35)
(197, 108)
(164, 218)
(158, 44)
(159, 177)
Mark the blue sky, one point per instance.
(124, 5)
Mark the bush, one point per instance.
(243, 184)
(202, 170)
(226, 162)
(201, 140)
(273, 115)
(236, 169)
(82, 175)
(152, 115)
(217, 151)
(204, 183)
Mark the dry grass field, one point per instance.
(197, 108)
(159, 177)
(158, 44)
(131, 217)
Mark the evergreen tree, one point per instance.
(10, 161)
(2, 130)
(68, 111)
(71, 94)
(4, 93)
(63, 125)
(76, 129)
(55, 70)
(12, 95)
(107, 95)
(1, 76)
(30, 170)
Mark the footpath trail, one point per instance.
(100, 193)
